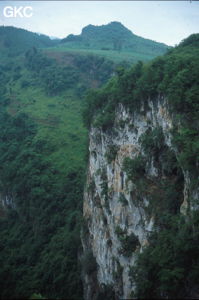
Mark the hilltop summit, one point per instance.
(113, 36)
(109, 29)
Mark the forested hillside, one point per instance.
(16, 40)
(43, 158)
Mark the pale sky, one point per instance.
(163, 21)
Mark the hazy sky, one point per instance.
(163, 21)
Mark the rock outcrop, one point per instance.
(133, 170)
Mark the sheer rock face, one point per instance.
(112, 200)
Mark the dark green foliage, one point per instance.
(152, 140)
(42, 170)
(106, 292)
(24, 84)
(102, 103)
(92, 187)
(135, 168)
(16, 40)
(104, 187)
(174, 74)
(153, 143)
(111, 153)
(81, 71)
(99, 68)
(89, 264)
(126, 84)
(35, 61)
(104, 180)
(119, 231)
(165, 196)
(192, 40)
(54, 78)
(40, 237)
(118, 274)
(105, 120)
(169, 266)
(186, 140)
(122, 199)
(165, 193)
(36, 296)
(57, 79)
(129, 243)
(169, 163)
(3, 81)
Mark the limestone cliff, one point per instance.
(133, 175)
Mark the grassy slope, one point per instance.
(116, 56)
(58, 119)
(113, 41)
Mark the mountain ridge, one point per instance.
(113, 41)
(113, 36)
(15, 40)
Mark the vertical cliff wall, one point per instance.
(133, 177)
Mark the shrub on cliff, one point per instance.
(135, 168)
(169, 267)
(88, 261)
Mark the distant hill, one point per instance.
(16, 40)
(192, 40)
(113, 36)
(112, 41)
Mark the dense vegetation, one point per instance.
(43, 193)
(175, 76)
(40, 236)
(16, 40)
(42, 174)
(169, 266)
